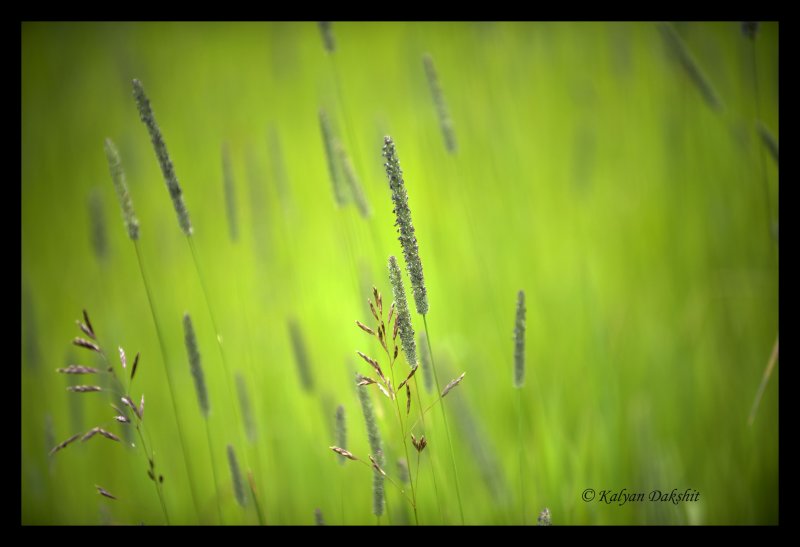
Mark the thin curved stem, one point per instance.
(519, 440)
(214, 470)
(163, 349)
(444, 417)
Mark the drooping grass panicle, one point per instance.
(519, 341)
(77, 369)
(680, 51)
(146, 115)
(425, 361)
(83, 343)
(230, 192)
(84, 389)
(353, 183)
(404, 327)
(97, 220)
(339, 190)
(301, 356)
(446, 122)
(327, 36)
(404, 226)
(195, 364)
(341, 430)
(236, 477)
(344, 453)
(246, 408)
(375, 445)
(105, 493)
(769, 140)
(66, 443)
(453, 383)
(121, 187)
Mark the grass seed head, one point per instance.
(519, 341)
(167, 169)
(405, 228)
(121, 187)
(403, 325)
(195, 364)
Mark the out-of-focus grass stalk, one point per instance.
(132, 224)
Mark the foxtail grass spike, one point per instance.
(769, 140)
(519, 341)
(121, 186)
(327, 36)
(341, 430)
(97, 219)
(244, 405)
(195, 364)
(425, 362)
(405, 228)
(236, 477)
(339, 190)
(445, 120)
(681, 52)
(353, 184)
(230, 193)
(146, 115)
(374, 437)
(403, 316)
(378, 494)
(301, 357)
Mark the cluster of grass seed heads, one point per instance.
(420, 443)
(123, 417)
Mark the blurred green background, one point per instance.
(590, 172)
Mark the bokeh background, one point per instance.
(594, 169)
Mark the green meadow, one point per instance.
(623, 175)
